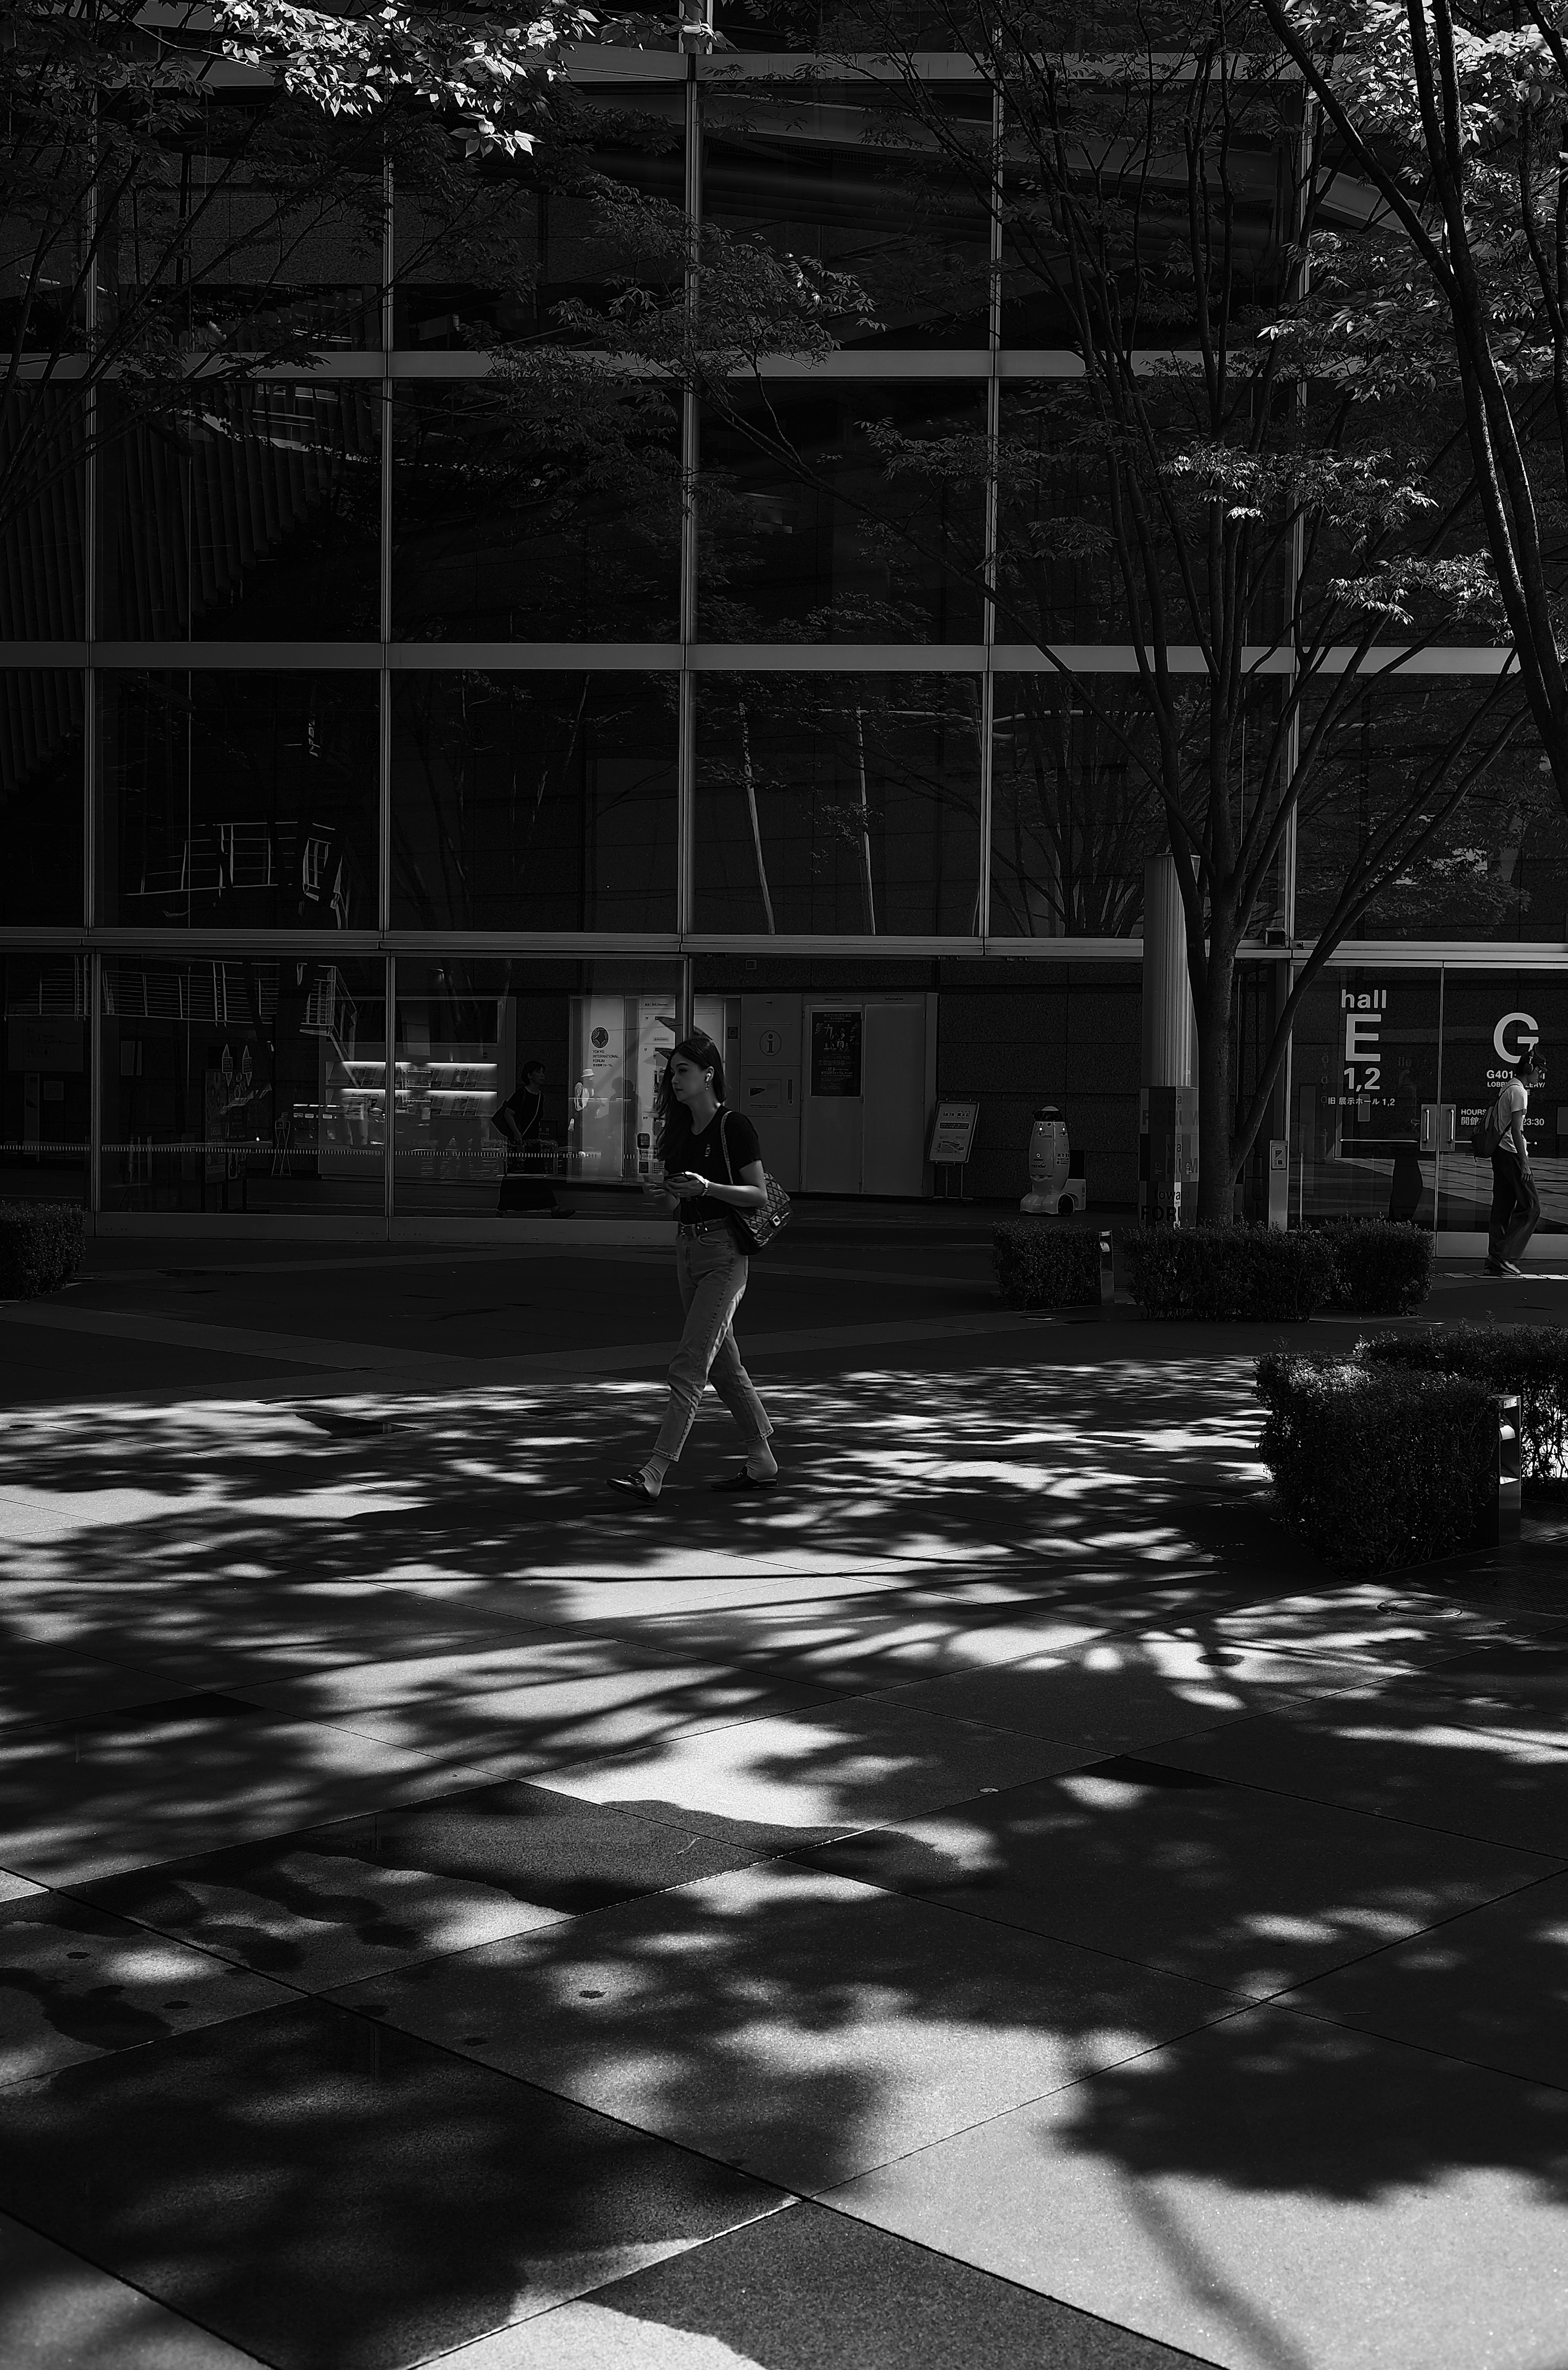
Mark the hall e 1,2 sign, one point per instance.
(1364, 1011)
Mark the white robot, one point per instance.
(1056, 1178)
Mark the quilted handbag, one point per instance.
(754, 1229)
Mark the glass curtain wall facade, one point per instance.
(358, 756)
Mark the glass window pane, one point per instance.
(244, 1086)
(846, 803)
(1076, 811)
(44, 1126)
(42, 284)
(486, 253)
(43, 795)
(1494, 863)
(1060, 577)
(42, 517)
(266, 229)
(848, 176)
(1365, 1077)
(811, 534)
(572, 1050)
(1489, 1020)
(1136, 212)
(255, 515)
(246, 801)
(534, 801)
(837, 27)
(468, 267)
(517, 518)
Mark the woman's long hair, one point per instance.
(672, 1120)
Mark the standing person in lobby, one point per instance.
(1515, 1204)
(712, 1165)
(521, 1119)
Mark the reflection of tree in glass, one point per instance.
(1497, 864)
(1072, 820)
(841, 801)
(537, 800)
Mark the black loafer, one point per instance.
(634, 1486)
(734, 1484)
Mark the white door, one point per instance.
(834, 1066)
(768, 1087)
(893, 1159)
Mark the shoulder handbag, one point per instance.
(754, 1229)
(1486, 1135)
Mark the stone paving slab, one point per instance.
(807, 2289)
(60, 2312)
(331, 2195)
(1272, 2190)
(1226, 1884)
(337, 1904)
(788, 2022)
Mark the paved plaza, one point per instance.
(996, 1901)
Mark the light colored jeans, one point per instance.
(712, 1273)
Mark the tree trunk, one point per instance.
(1216, 1097)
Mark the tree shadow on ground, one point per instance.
(364, 2179)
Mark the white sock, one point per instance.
(655, 1470)
(761, 1463)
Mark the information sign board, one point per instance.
(953, 1133)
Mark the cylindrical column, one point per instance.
(1167, 1106)
(1169, 1029)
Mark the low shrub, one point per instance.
(1042, 1265)
(1529, 1359)
(1377, 1467)
(40, 1247)
(1380, 1269)
(1228, 1272)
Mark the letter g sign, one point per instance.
(1515, 1034)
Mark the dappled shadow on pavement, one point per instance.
(998, 1834)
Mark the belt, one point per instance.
(703, 1226)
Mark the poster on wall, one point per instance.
(836, 1053)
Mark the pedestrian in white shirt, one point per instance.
(1515, 1204)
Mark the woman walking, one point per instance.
(712, 1165)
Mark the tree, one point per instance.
(1459, 123)
(1224, 486)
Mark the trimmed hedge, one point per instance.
(1225, 1273)
(1380, 1269)
(1041, 1265)
(40, 1247)
(1379, 1467)
(1529, 1359)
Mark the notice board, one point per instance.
(953, 1133)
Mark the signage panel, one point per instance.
(953, 1134)
(836, 1053)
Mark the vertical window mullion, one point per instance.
(993, 432)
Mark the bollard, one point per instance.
(1510, 1477)
(1107, 1268)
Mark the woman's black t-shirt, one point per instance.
(704, 1156)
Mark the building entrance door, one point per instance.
(836, 1051)
(866, 1096)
